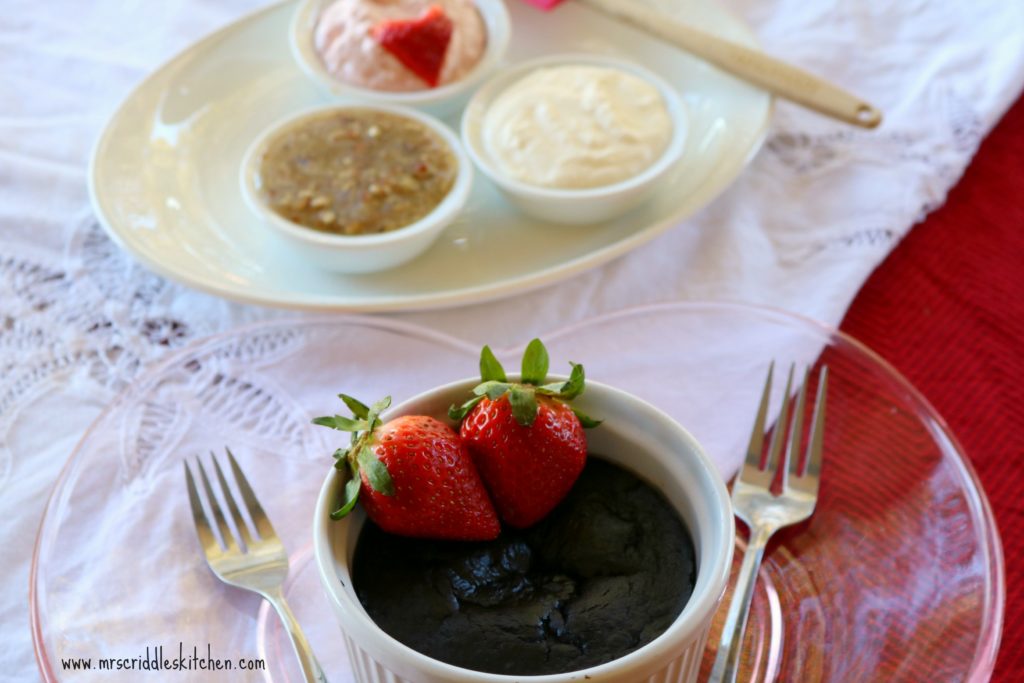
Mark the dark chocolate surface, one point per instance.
(605, 573)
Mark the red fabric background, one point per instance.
(947, 310)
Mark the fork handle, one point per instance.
(727, 660)
(753, 66)
(311, 670)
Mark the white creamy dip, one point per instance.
(575, 127)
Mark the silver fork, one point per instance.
(765, 513)
(258, 564)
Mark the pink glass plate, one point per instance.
(897, 577)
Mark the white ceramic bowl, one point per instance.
(359, 253)
(634, 435)
(440, 101)
(573, 206)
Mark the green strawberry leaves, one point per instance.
(523, 395)
(490, 368)
(524, 404)
(359, 458)
(342, 424)
(586, 421)
(492, 390)
(351, 497)
(535, 363)
(358, 409)
(569, 389)
(376, 472)
(379, 407)
(457, 413)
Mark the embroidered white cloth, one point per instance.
(817, 210)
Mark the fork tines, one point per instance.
(234, 536)
(799, 470)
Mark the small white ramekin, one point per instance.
(359, 253)
(440, 101)
(573, 206)
(635, 435)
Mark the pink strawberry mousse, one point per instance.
(353, 56)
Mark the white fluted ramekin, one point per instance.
(634, 435)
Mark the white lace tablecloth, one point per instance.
(818, 209)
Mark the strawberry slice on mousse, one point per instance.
(420, 44)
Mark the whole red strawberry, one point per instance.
(413, 474)
(527, 442)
